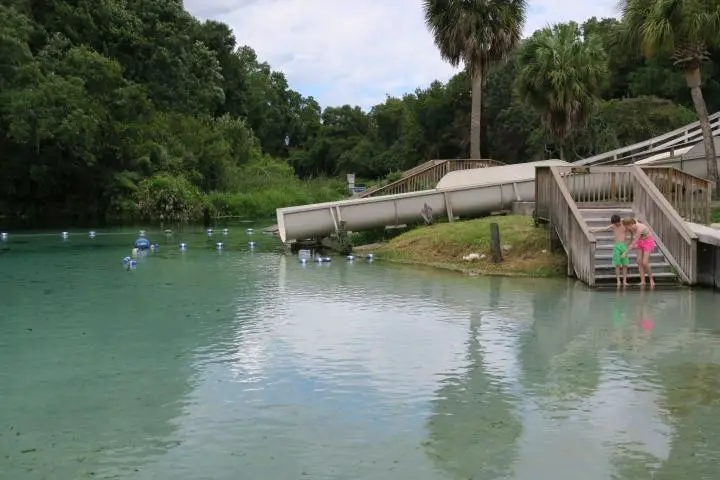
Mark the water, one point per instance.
(244, 364)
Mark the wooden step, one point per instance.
(664, 276)
(633, 269)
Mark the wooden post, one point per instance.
(495, 243)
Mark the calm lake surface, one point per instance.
(245, 364)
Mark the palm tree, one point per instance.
(562, 75)
(479, 34)
(683, 29)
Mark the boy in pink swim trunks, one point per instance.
(642, 238)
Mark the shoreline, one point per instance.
(464, 247)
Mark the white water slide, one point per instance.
(472, 193)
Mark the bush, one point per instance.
(168, 198)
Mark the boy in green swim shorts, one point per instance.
(619, 256)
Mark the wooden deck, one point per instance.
(664, 198)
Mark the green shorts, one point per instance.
(618, 249)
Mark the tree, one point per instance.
(561, 76)
(478, 33)
(684, 30)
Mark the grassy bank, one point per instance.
(445, 245)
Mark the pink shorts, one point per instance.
(646, 244)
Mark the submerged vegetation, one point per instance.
(526, 249)
(123, 110)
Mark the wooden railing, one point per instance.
(689, 195)
(672, 234)
(427, 175)
(644, 194)
(554, 203)
(686, 135)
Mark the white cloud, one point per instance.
(358, 51)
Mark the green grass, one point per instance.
(262, 202)
(715, 215)
(444, 245)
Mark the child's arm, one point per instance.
(633, 244)
(601, 229)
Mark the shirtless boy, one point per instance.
(620, 247)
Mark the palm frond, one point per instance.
(561, 76)
(477, 33)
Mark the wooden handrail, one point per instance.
(679, 135)
(674, 237)
(554, 202)
(690, 196)
(428, 177)
(653, 194)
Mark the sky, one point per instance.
(358, 51)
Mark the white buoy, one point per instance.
(141, 233)
(219, 245)
(249, 231)
(369, 257)
(350, 258)
(251, 244)
(64, 234)
(92, 234)
(209, 232)
(318, 259)
(4, 235)
(183, 246)
(225, 231)
(303, 261)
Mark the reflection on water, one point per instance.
(250, 365)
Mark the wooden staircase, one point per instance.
(604, 269)
(426, 176)
(572, 200)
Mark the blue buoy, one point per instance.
(91, 234)
(142, 243)
(132, 264)
(251, 244)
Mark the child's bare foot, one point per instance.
(652, 283)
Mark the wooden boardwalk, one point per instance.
(662, 197)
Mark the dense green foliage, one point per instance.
(127, 109)
(561, 76)
(479, 34)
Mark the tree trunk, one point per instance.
(692, 77)
(475, 114)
